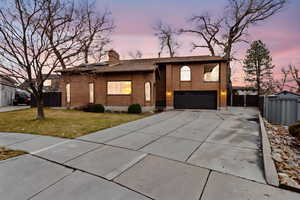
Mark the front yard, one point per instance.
(62, 123)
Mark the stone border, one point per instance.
(271, 175)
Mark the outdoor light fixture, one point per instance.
(223, 93)
(169, 94)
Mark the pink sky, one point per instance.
(134, 20)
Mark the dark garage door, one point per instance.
(195, 99)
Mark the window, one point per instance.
(119, 87)
(68, 92)
(91, 92)
(147, 91)
(211, 72)
(185, 73)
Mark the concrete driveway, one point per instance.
(191, 155)
(12, 108)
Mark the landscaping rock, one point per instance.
(286, 154)
(277, 157)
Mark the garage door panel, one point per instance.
(195, 99)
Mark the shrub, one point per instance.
(135, 108)
(96, 108)
(294, 130)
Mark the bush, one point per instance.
(294, 130)
(96, 108)
(135, 108)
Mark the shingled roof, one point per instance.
(136, 65)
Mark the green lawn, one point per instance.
(6, 153)
(62, 123)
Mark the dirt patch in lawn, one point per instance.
(62, 123)
(6, 153)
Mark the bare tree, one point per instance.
(290, 79)
(39, 36)
(98, 28)
(207, 29)
(167, 38)
(77, 31)
(25, 51)
(135, 55)
(281, 83)
(232, 27)
(294, 78)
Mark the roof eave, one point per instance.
(123, 71)
(192, 61)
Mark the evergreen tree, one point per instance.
(258, 67)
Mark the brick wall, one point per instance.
(197, 83)
(79, 84)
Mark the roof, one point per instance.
(243, 88)
(285, 92)
(6, 80)
(143, 65)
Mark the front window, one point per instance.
(91, 92)
(211, 72)
(119, 87)
(68, 92)
(148, 91)
(185, 73)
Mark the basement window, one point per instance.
(211, 72)
(119, 87)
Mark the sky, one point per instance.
(134, 20)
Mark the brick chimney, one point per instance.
(113, 56)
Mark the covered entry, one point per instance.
(195, 99)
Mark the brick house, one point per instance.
(197, 82)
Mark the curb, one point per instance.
(269, 166)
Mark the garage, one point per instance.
(195, 99)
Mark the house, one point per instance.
(243, 96)
(244, 90)
(195, 82)
(51, 84)
(7, 90)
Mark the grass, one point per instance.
(62, 123)
(6, 153)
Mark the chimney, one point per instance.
(113, 57)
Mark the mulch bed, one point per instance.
(286, 155)
(6, 153)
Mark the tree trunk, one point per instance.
(40, 107)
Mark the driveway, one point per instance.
(191, 155)
(12, 108)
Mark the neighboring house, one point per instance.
(51, 84)
(7, 91)
(195, 82)
(244, 90)
(243, 96)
